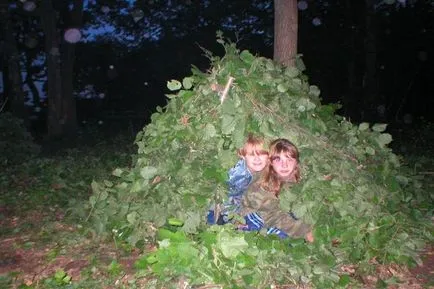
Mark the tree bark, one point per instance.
(15, 93)
(55, 119)
(68, 58)
(285, 31)
(5, 76)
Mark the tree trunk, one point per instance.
(55, 119)
(285, 31)
(15, 93)
(68, 58)
(5, 76)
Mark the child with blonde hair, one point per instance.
(253, 159)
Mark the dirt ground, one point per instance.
(23, 253)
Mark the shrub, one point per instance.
(16, 143)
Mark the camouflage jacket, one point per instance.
(239, 180)
(267, 205)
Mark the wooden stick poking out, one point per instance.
(226, 90)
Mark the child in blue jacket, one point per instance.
(253, 159)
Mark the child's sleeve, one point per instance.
(268, 207)
(287, 224)
(239, 179)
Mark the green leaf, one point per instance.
(384, 139)
(171, 96)
(132, 217)
(403, 180)
(187, 82)
(103, 196)
(174, 85)
(151, 258)
(209, 131)
(186, 94)
(66, 279)
(114, 268)
(117, 172)
(282, 87)
(136, 186)
(228, 124)
(379, 127)
(92, 200)
(95, 187)
(174, 237)
(59, 275)
(363, 126)
(299, 62)
(292, 71)
(269, 65)
(304, 104)
(192, 222)
(381, 284)
(141, 263)
(175, 222)
(370, 151)
(247, 57)
(231, 246)
(314, 90)
(344, 280)
(148, 172)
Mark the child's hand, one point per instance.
(309, 237)
(242, 227)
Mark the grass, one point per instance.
(41, 216)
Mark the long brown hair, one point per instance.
(270, 180)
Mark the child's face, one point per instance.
(256, 158)
(284, 165)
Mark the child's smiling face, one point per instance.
(256, 158)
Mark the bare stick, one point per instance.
(226, 90)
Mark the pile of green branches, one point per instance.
(362, 203)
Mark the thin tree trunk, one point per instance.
(5, 76)
(15, 91)
(4, 61)
(285, 31)
(55, 118)
(68, 58)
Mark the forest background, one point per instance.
(373, 57)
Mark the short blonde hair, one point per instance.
(252, 142)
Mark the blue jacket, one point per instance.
(239, 180)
